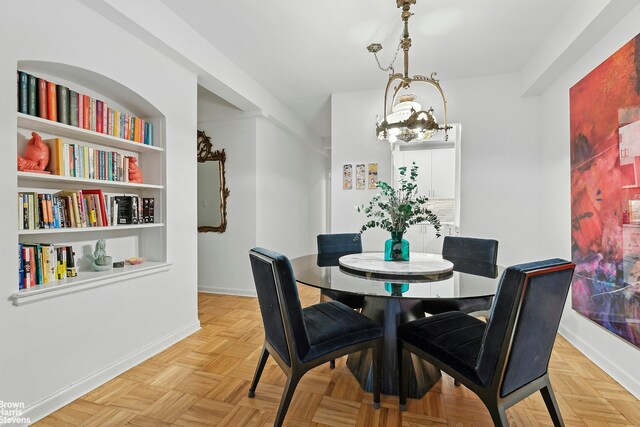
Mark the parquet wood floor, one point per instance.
(203, 381)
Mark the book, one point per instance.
(43, 113)
(73, 108)
(23, 92)
(62, 93)
(99, 106)
(80, 110)
(52, 101)
(71, 262)
(86, 104)
(56, 156)
(110, 121)
(20, 267)
(105, 119)
(61, 255)
(92, 114)
(32, 95)
(26, 266)
(36, 262)
(124, 212)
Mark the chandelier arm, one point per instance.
(392, 78)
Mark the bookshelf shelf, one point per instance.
(25, 177)
(88, 280)
(42, 231)
(60, 129)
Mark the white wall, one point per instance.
(500, 170)
(57, 349)
(291, 183)
(277, 196)
(616, 356)
(223, 260)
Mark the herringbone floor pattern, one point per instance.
(203, 381)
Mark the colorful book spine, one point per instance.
(105, 117)
(86, 104)
(80, 110)
(20, 267)
(73, 108)
(32, 95)
(99, 106)
(93, 106)
(43, 112)
(52, 101)
(64, 104)
(23, 92)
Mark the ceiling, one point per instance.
(303, 51)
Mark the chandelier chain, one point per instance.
(395, 56)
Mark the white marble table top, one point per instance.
(419, 264)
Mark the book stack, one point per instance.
(80, 209)
(42, 263)
(79, 161)
(56, 102)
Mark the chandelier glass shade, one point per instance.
(404, 120)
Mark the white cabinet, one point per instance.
(436, 170)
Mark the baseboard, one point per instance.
(82, 387)
(623, 378)
(226, 291)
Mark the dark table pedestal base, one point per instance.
(391, 312)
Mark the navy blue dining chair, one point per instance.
(300, 339)
(331, 247)
(505, 360)
(460, 250)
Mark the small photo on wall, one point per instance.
(361, 180)
(347, 177)
(373, 176)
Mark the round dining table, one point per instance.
(394, 299)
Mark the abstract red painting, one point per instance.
(605, 193)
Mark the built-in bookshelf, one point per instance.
(144, 239)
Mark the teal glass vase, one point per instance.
(396, 248)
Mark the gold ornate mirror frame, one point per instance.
(206, 155)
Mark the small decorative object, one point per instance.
(373, 176)
(347, 177)
(36, 156)
(118, 264)
(135, 175)
(101, 261)
(396, 210)
(135, 260)
(361, 181)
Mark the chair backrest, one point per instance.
(480, 250)
(519, 337)
(279, 303)
(343, 244)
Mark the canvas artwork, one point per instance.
(347, 177)
(373, 176)
(605, 193)
(361, 180)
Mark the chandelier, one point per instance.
(404, 119)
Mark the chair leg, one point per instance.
(498, 414)
(403, 376)
(256, 377)
(332, 364)
(552, 405)
(377, 374)
(289, 388)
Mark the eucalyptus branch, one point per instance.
(398, 209)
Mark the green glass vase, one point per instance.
(396, 248)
